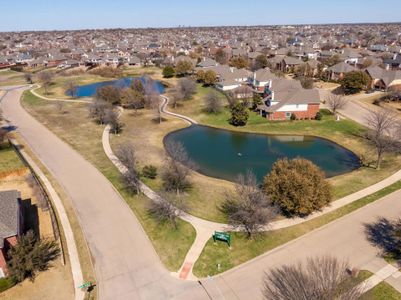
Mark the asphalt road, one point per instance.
(126, 264)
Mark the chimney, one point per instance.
(272, 95)
(270, 84)
(395, 56)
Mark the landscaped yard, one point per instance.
(57, 281)
(73, 126)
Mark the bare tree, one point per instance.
(248, 207)
(177, 168)
(168, 208)
(176, 97)
(71, 88)
(46, 78)
(384, 132)
(323, 278)
(187, 87)
(126, 154)
(155, 104)
(335, 102)
(213, 103)
(98, 109)
(112, 118)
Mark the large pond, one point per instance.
(89, 90)
(225, 154)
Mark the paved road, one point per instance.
(127, 266)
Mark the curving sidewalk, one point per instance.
(33, 91)
(205, 229)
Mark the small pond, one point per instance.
(89, 90)
(225, 154)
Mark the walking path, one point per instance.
(205, 229)
(33, 91)
(125, 263)
(387, 273)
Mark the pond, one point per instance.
(225, 154)
(89, 90)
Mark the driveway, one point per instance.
(126, 264)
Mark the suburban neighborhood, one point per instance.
(187, 151)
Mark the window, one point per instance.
(288, 115)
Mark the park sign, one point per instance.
(222, 236)
(87, 284)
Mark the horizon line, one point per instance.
(202, 26)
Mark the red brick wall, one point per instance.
(3, 263)
(12, 240)
(309, 114)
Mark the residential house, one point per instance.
(289, 63)
(338, 71)
(207, 62)
(384, 79)
(11, 224)
(261, 78)
(284, 98)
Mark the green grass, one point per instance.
(5, 284)
(244, 249)
(9, 160)
(74, 127)
(383, 291)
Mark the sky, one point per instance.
(87, 14)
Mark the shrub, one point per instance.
(168, 72)
(149, 171)
(293, 117)
(297, 186)
(319, 116)
(30, 256)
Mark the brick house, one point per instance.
(11, 224)
(284, 98)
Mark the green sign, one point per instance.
(85, 285)
(222, 236)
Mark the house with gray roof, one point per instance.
(384, 79)
(11, 224)
(284, 98)
(338, 71)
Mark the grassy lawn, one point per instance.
(346, 133)
(383, 291)
(147, 138)
(244, 249)
(57, 87)
(8, 77)
(73, 126)
(9, 160)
